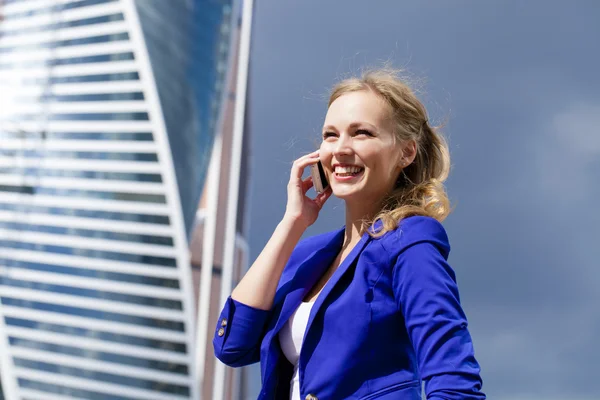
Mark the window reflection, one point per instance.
(92, 294)
(128, 56)
(116, 176)
(136, 116)
(65, 43)
(91, 155)
(108, 255)
(68, 391)
(98, 335)
(59, 230)
(92, 194)
(101, 376)
(64, 24)
(117, 216)
(125, 76)
(94, 314)
(91, 273)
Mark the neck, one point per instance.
(356, 214)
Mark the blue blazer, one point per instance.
(388, 317)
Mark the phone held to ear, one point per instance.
(318, 177)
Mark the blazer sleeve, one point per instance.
(427, 295)
(241, 328)
(239, 333)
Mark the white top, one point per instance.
(290, 338)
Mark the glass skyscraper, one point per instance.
(108, 110)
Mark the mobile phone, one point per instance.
(319, 177)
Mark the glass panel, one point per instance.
(125, 76)
(139, 136)
(98, 335)
(91, 155)
(118, 216)
(109, 255)
(103, 376)
(116, 176)
(65, 43)
(66, 24)
(89, 233)
(70, 61)
(92, 194)
(68, 391)
(56, 8)
(95, 314)
(91, 273)
(92, 294)
(137, 116)
(86, 97)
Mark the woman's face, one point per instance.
(359, 152)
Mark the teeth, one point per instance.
(347, 170)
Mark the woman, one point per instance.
(369, 310)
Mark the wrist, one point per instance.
(293, 224)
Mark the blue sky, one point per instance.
(517, 85)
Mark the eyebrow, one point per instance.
(352, 126)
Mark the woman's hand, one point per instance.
(258, 287)
(300, 208)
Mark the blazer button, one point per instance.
(224, 322)
(311, 397)
(221, 332)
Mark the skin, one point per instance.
(358, 132)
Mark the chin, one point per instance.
(357, 195)
(346, 195)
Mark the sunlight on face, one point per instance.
(359, 151)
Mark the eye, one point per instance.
(328, 134)
(363, 132)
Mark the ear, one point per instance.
(409, 152)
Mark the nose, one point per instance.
(343, 145)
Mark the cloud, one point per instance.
(568, 158)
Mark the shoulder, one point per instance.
(412, 231)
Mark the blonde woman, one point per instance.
(370, 310)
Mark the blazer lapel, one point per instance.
(339, 272)
(309, 272)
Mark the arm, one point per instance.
(426, 293)
(257, 288)
(242, 322)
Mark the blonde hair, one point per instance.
(420, 187)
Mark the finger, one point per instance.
(300, 164)
(322, 197)
(307, 184)
(314, 154)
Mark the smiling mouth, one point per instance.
(343, 172)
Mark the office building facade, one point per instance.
(108, 112)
